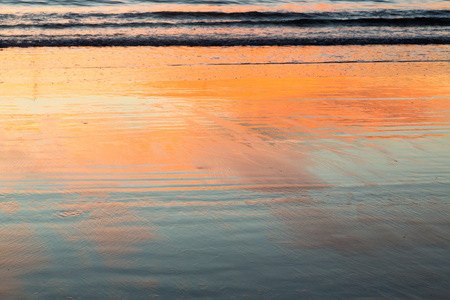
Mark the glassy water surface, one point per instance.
(224, 149)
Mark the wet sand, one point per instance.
(273, 172)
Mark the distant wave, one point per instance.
(211, 42)
(216, 18)
(300, 22)
(217, 28)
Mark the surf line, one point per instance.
(313, 62)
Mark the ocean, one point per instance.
(222, 23)
(224, 149)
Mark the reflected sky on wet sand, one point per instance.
(273, 172)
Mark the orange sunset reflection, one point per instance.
(84, 115)
(132, 167)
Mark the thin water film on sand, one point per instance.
(274, 172)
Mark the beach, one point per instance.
(275, 172)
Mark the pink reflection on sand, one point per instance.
(362, 229)
(21, 253)
(112, 230)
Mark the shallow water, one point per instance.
(267, 172)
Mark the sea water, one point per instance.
(222, 23)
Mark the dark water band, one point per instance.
(211, 42)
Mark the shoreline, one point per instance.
(262, 71)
